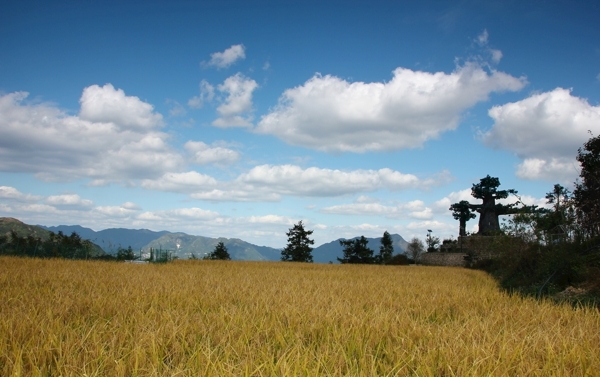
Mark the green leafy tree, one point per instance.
(587, 188)
(415, 249)
(461, 211)
(386, 249)
(357, 251)
(219, 253)
(125, 254)
(298, 248)
(558, 196)
(432, 242)
(557, 223)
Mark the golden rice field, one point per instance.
(210, 318)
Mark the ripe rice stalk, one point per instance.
(213, 318)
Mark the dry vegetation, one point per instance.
(209, 318)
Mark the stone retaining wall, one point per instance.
(443, 259)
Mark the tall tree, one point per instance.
(386, 249)
(432, 242)
(298, 248)
(415, 248)
(587, 187)
(557, 221)
(559, 195)
(219, 253)
(461, 211)
(357, 251)
(489, 210)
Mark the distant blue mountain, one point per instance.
(111, 239)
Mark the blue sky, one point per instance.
(238, 119)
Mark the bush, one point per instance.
(535, 269)
(399, 260)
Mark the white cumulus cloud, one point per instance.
(186, 182)
(545, 130)
(203, 154)
(68, 200)
(331, 114)
(109, 105)
(238, 103)
(114, 138)
(415, 209)
(271, 182)
(12, 194)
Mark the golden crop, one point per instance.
(210, 318)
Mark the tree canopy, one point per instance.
(386, 249)
(298, 248)
(219, 253)
(489, 210)
(415, 248)
(357, 251)
(461, 211)
(587, 188)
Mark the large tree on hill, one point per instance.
(587, 187)
(357, 251)
(298, 248)
(489, 210)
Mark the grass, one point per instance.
(211, 318)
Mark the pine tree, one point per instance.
(386, 249)
(298, 247)
(219, 253)
(357, 251)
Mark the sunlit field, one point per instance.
(210, 318)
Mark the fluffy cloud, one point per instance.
(65, 208)
(187, 182)
(12, 194)
(69, 201)
(184, 214)
(294, 180)
(226, 58)
(545, 130)
(109, 105)
(202, 154)
(331, 114)
(270, 182)
(415, 209)
(109, 141)
(233, 111)
(126, 210)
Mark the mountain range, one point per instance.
(186, 246)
